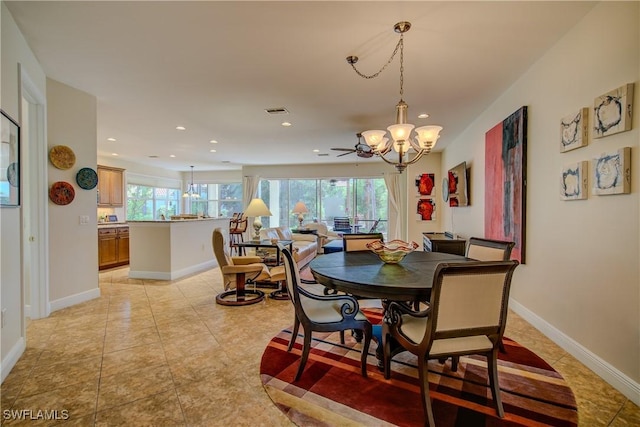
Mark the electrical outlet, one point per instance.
(4, 317)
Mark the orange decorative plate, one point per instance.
(62, 193)
(62, 157)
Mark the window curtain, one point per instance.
(392, 182)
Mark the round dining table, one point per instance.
(362, 273)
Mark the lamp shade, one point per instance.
(300, 208)
(257, 208)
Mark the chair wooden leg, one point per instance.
(365, 348)
(501, 347)
(305, 355)
(492, 366)
(454, 363)
(341, 337)
(386, 355)
(424, 390)
(294, 333)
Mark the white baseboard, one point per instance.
(12, 358)
(173, 275)
(603, 369)
(65, 302)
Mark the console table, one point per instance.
(443, 242)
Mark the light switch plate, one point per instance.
(84, 219)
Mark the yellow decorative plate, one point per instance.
(62, 157)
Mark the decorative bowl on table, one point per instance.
(392, 252)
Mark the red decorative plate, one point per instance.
(62, 193)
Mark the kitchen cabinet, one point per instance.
(110, 186)
(113, 247)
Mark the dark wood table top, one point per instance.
(364, 274)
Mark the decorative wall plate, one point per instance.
(87, 178)
(12, 174)
(62, 157)
(62, 193)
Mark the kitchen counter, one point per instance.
(168, 250)
(112, 224)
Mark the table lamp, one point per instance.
(300, 208)
(257, 209)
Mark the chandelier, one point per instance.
(191, 190)
(409, 148)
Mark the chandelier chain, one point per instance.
(393, 55)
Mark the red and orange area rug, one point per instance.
(332, 392)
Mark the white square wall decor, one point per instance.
(573, 182)
(612, 112)
(574, 130)
(612, 172)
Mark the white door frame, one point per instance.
(35, 223)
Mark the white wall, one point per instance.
(15, 54)
(581, 283)
(73, 248)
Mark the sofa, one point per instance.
(305, 246)
(325, 236)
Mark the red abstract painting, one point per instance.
(505, 182)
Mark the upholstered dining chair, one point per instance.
(321, 313)
(466, 315)
(237, 270)
(358, 242)
(489, 250)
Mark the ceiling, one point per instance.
(214, 67)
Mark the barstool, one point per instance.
(237, 227)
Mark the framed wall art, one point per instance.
(426, 210)
(458, 185)
(505, 182)
(9, 161)
(573, 181)
(612, 172)
(574, 130)
(612, 112)
(425, 183)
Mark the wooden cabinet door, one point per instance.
(104, 187)
(110, 187)
(116, 188)
(123, 245)
(107, 249)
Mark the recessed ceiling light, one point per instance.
(172, 155)
(114, 154)
(181, 128)
(111, 139)
(213, 141)
(212, 151)
(316, 151)
(423, 116)
(286, 124)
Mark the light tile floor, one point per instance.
(164, 353)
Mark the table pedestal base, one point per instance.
(239, 295)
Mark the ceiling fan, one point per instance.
(361, 149)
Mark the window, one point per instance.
(217, 199)
(363, 200)
(151, 203)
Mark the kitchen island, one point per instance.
(168, 250)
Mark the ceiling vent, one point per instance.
(323, 154)
(277, 110)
